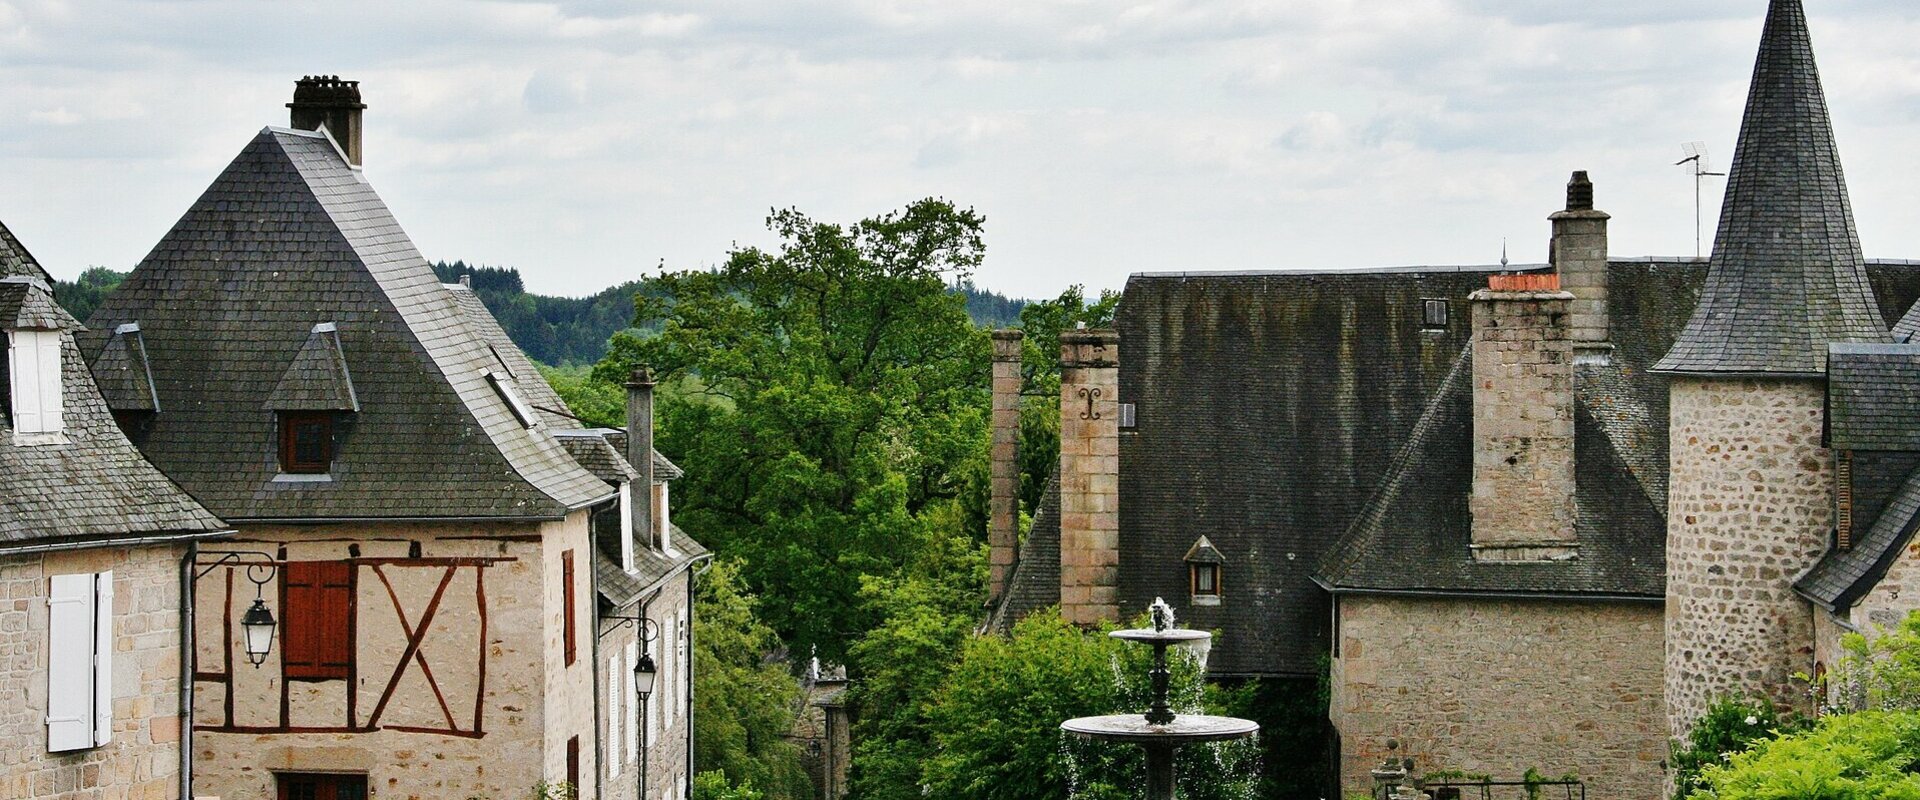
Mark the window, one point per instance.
(33, 367)
(566, 603)
(322, 787)
(573, 764)
(79, 661)
(1205, 579)
(306, 442)
(617, 690)
(503, 386)
(317, 628)
(1433, 315)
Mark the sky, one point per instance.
(589, 142)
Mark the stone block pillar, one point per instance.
(1579, 255)
(1749, 508)
(1090, 476)
(1003, 510)
(1523, 460)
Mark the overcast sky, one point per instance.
(589, 142)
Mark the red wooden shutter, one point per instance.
(566, 580)
(317, 632)
(573, 765)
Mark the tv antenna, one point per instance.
(1697, 157)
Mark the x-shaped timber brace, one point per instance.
(416, 634)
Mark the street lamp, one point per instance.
(643, 675)
(257, 625)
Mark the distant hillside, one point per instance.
(553, 330)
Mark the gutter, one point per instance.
(333, 520)
(131, 541)
(1456, 594)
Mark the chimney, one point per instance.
(1579, 254)
(1090, 476)
(640, 452)
(327, 100)
(1003, 510)
(1523, 460)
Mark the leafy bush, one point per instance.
(1731, 725)
(1878, 673)
(1870, 755)
(713, 785)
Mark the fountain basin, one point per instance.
(1168, 636)
(1184, 729)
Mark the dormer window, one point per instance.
(1203, 572)
(306, 442)
(1433, 315)
(33, 372)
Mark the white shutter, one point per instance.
(666, 676)
(666, 526)
(615, 682)
(70, 675)
(47, 346)
(626, 526)
(103, 658)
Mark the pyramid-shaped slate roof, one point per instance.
(289, 237)
(1787, 274)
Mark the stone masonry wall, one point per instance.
(1523, 460)
(527, 711)
(1750, 507)
(1089, 476)
(1003, 512)
(1893, 598)
(668, 710)
(142, 762)
(1498, 687)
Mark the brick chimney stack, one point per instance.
(327, 100)
(1523, 460)
(640, 452)
(1579, 254)
(1090, 476)
(1003, 511)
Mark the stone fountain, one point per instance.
(1160, 732)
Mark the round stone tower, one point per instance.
(1750, 493)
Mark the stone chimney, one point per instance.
(327, 100)
(1090, 476)
(1523, 461)
(1579, 254)
(1003, 510)
(640, 453)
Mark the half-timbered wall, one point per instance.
(141, 758)
(457, 674)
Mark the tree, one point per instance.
(1731, 725)
(834, 390)
(1043, 322)
(1868, 755)
(743, 705)
(83, 295)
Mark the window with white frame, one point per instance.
(79, 661)
(653, 700)
(33, 369)
(666, 684)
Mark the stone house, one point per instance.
(95, 548)
(1523, 516)
(435, 535)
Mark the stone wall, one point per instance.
(668, 711)
(1750, 507)
(1893, 598)
(529, 703)
(1523, 458)
(142, 761)
(1089, 476)
(1498, 687)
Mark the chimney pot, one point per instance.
(1580, 192)
(327, 100)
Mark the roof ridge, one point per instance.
(1787, 274)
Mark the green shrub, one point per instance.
(1731, 725)
(1870, 755)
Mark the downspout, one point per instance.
(187, 668)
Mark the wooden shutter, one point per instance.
(567, 608)
(1843, 499)
(70, 673)
(633, 706)
(626, 526)
(317, 628)
(102, 658)
(47, 349)
(573, 765)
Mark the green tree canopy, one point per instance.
(743, 706)
(841, 393)
(1869, 755)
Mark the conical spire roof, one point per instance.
(1787, 276)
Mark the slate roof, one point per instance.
(1035, 581)
(1788, 275)
(1842, 577)
(93, 485)
(1273, 407)
(16, 261)
(121, 369)
(287, 237)
(318, 379)
(1873, 397)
